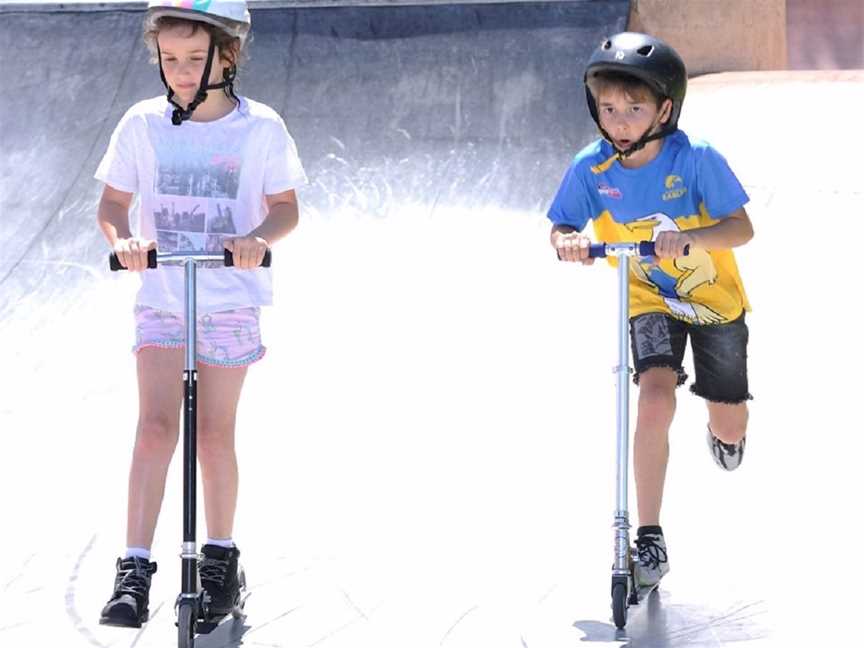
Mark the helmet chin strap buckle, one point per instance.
(180, 114)
(639, 144)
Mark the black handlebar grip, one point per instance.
(115, 265)
(265, 263)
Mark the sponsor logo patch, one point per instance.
(610, 192)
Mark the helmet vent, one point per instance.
(645, 50)
(607, 44)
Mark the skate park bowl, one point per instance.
(427, 451)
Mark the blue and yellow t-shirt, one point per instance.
(688, 185)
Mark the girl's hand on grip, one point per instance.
(248, 251)
(132, 253)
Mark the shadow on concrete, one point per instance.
(660, 623)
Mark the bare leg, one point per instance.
(219, 393)
(159, 397)
(651, 441)
(728, 422)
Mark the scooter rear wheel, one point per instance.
(619, 605)
(186, 625)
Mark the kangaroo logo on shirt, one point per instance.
(697, 269)
(674, 187)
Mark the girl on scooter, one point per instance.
(210, 169)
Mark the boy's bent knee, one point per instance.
(729, 434)
(728, 422)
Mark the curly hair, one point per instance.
(230, 48)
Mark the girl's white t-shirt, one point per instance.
(197, 184)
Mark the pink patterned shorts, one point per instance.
(225, 339)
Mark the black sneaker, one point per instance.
(726, 455)
(129, 604)
(221, 577)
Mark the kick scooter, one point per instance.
(625, 591)
(193, 603)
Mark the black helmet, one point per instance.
(647, 58)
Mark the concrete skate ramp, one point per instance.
(394, 109)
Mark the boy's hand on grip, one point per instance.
(132, 253)
(572, 246)
(248, 251)
(669, 245)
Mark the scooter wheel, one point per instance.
(619, 605)
(186, 625)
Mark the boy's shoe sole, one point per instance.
(726, 455)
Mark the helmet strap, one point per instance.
(639, 144)
(181, 114)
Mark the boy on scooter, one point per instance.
(646, 180)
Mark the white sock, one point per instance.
(227, 543)
(138, 552)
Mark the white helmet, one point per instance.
(230, 15)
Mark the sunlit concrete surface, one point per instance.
(427, 451)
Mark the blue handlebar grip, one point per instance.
(597, 251)
(647, 248)
(265, 262)
(115, 265)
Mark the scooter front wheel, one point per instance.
(186, 624)
(619, 605)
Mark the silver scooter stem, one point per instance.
(622, 524)
(191, 266)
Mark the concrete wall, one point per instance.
(716, 36)
(825, 34)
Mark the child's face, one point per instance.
(184, 55)
(626, 118)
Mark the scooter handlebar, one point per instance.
(265, 262)
(115, 265)
(646, 248)
(153, 259)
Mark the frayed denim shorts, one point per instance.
(229, 338)
(719, 354)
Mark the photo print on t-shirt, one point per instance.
(191, 166)
(193, 224)
(196, 187)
